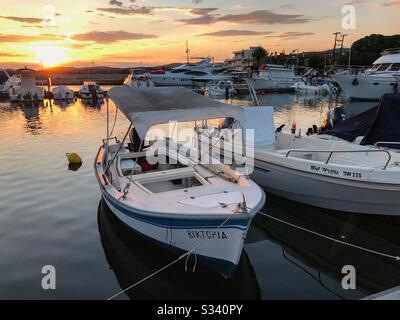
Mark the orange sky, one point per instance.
(150, 32)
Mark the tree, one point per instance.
(314, 61)
(366, 50)
(259, 54)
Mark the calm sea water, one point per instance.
(51, 214)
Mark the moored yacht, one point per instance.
(7, 82)
(91, 90)
(272, 77)
(138, 81)
(383, 77)
(186, 205)
(183, 75)
(26, 90)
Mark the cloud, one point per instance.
(111, 36)
(115, 3)
(22, 19)
(292, 35)
(127, 11)
(253, 17)
(29, 38)
(390, 4)
(264, 17)
(234, 33)
(9, 55)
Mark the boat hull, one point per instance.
(220, 248)
(366, 87)
(327, 192)
(272, 84)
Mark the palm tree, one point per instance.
(259, 54)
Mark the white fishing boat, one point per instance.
(203, 209)
(273, 78)
(383, 77)
(62, 93)
(221, 89)
(184, 75)
(90, 90)
(332, 174)
(138, 81)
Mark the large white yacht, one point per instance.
(26, 90)
(183, 75)
(383, 77)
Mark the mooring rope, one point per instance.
(397, 258)
(186, 254)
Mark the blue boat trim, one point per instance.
(224, 267)
(178, 223)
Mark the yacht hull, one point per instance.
(365, 87)
(218, 248)
(272, 84)
(328, 192)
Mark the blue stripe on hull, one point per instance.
(178, 223)
(224, 267)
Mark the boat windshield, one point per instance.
(395, 67)
(384, 67)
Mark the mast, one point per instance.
(187, 52)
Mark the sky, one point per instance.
(124, 33)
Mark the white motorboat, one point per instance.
(26, 90)
(273, 78)
(221, 89)
(91, 91)
(383, 77)
(303, 88)
(7, 82)
(332, 174)
(203, 209)
(63, 93)
(138, 81)
(183, 75)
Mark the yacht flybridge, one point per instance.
(383, 77)
(201, 210)
(183, 75)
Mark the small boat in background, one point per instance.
(27, 91)
(302, 87)
(62, 93)
(272, 77)
(221, 89)
(7, 82)
(90, 90)
(138, 81)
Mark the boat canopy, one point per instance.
(389, 58)
(147, 107)
(379, 124)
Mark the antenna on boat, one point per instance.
(187, 52)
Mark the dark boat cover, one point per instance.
(386, 123)
(379, 124)
(354, 127)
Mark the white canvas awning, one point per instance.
(147, 107)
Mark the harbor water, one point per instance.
(52, 214)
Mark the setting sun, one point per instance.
(48, 55)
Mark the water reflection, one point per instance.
(322, 258)
(133, 258)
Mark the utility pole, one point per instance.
(341, 43)
(336, 34)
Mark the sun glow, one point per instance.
(49, 55)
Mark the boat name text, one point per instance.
(201, 234)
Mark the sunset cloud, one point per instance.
(234, 33)
(253, 17)
(22, 19)
(111, 36)
(29, 38)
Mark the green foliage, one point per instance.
(314, 61)
(259, 54)
(366, 50)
